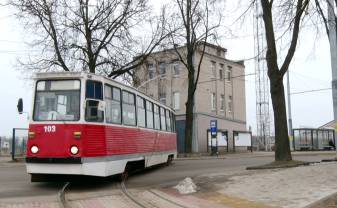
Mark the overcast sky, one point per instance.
(309, 70)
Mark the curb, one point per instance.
(279, 166)
(329, 160)
(321, 201)
(248, 155)
(200, 158)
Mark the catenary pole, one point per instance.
(333, 54)
(290, 121)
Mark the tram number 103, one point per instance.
(49, 129)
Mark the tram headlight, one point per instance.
(74, 150)
(34, 149)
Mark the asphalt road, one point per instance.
(15, 182)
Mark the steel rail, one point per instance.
(133, 199)
(61, 196)
(129, 196)
(166, 199)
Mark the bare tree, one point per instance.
(85, 35)
(290, 15)
(194, 27)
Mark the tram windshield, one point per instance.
(57, 100)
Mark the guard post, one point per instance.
(13, 145)
(214, 141)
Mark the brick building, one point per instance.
(220, 93)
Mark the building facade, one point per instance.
(220, 93)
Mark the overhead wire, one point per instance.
(310, 91)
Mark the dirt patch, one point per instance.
(328, 202)
(279, 164)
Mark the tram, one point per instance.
(87, 124)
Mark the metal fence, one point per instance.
(19, 143)
(313, 139)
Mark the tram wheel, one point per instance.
(169, 160)
(125, 175)
(39, 178)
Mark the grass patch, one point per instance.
(279, 164)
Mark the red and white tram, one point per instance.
(86, 124)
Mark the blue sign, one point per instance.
(213, 125)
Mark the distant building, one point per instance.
(329, 125)
(220, 94)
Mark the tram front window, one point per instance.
(57, 100)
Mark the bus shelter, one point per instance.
(313, 139)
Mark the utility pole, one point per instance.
(290, 121)
(333, 54)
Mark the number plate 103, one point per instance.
(49, 128)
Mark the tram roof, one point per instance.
(79, 75)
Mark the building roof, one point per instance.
(239, 62)
(329, 125)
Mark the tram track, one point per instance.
(136, 201)
(139, 202)
(62, 198)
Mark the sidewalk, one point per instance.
(205, 156)
(5, 159)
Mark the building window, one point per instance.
(230, 103)
(162, 98)
(129, 108)
(141, 111)
(162, 69)
(229, 73)
(176, 100)
(213, 101)
(218, 52)
(221, 71)
(151, 71)
(222, 102)
(213, 69)
(176, 69)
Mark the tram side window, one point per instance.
(141, 111)
(112, 104)
(156, 117)
(149, 114)
(129, 108)
(93, 110)
(168, 120)
(162, 119)
(173, 124)
(94, 90)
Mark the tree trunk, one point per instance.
(189, 114)
(282, 148)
